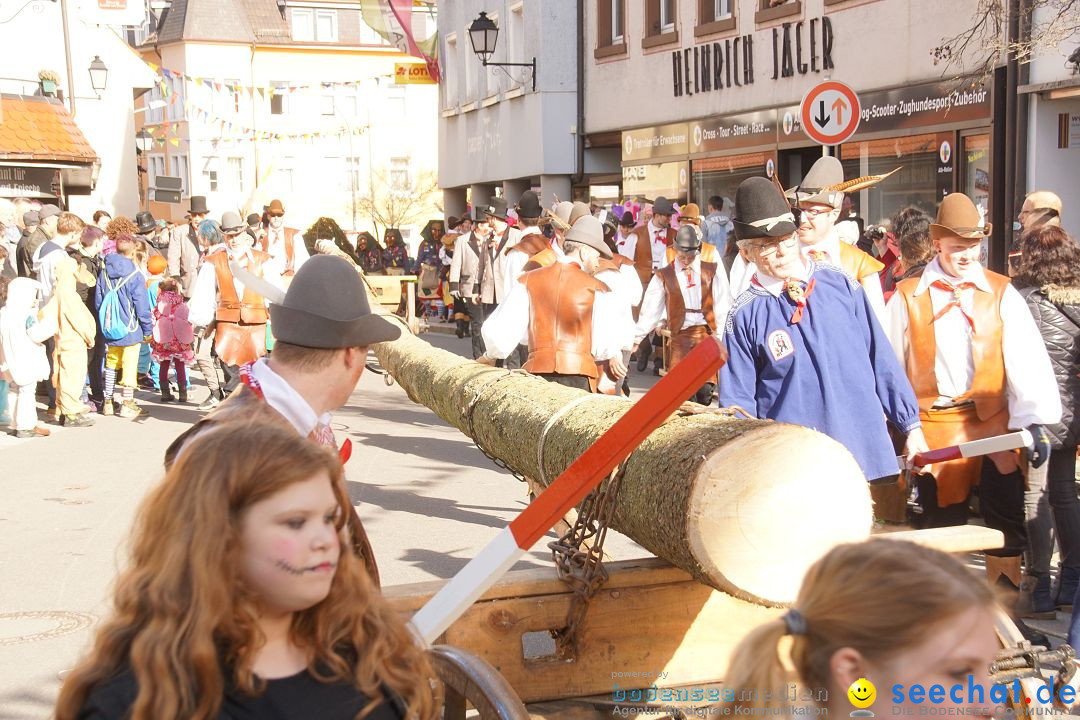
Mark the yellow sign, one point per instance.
(412, 74)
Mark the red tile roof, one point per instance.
(39, 128)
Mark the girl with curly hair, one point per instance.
(238, 601)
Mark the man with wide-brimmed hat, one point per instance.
(652, 239)
(221, 305)
(185, 250)
(472, 277)
(284, 245)
(529, 242)
(805, 346)
(691, 297)
(322, 326)
(569, 319)
(820, 201)
(979, 368)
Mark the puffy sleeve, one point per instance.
(612, 325)
(508, 326)
(653, 309)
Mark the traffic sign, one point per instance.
(830, 113)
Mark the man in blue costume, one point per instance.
(805, 346)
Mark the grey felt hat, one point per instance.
(47, 211)
(663, 206)
(589, 231)
(687, 239)
(816, 187)
(496, 208)
(231, 222)
(326, 306)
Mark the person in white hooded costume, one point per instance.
(23, 362)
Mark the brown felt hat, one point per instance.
(958, 217)
(275, 208)
(326, 306)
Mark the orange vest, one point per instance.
(560, 320)
(856, 263)
(252, 309)
(530, 245)
(988, 383)
(541, 259)
(708, 254)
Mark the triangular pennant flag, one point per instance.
(218, 86)
(152, 66)
(175, 141)
(199, 81)
(160, 141)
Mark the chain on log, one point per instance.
(743, 505)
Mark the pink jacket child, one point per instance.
(173, 338)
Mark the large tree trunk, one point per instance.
(743, 505)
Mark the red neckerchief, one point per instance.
(943, 284)
(246, 377)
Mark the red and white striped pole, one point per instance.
(972, 448)
(585, 473)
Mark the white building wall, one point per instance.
(32, 41)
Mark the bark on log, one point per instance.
(743, 505)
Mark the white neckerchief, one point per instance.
(282, 397)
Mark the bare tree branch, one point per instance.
(391, 203)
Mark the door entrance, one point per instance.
(793, 164)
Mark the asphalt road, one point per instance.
(428, 498)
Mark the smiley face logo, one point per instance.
(862, 693)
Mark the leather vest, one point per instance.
(676, 306)
(709, 254)
(544, 258)
(560, 320)
(988, 382)
(643, 252)
(530, 245)
(616, 262)
(857, 263)
(231, 308)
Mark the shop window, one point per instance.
(660, 23)
(975, 171)
(610, 28)
(769, 10)
(916, 184)
(715, 16)
(722, 175)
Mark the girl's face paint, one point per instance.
(290, 546)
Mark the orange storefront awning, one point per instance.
(40, 129)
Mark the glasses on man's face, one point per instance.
(810, 213)
(769, 249)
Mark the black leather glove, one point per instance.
(1039, 452)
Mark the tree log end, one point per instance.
(771, 503)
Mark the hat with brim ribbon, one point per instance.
(496, 208)
(958, 217)
(275, 208)
(560, 214)
(761, 211)
(817, 187)
(663, 206)
(529, 205)
(589, 231)
(326, 306)
(232, 223)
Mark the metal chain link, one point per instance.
(579, 557)
(468, 414)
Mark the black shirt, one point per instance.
(298, 697)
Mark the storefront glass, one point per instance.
(721, 176)
(975, 172)
(917, 182)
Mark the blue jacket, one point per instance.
(834, 371)
(133, 296)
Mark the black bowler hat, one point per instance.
(663, 206)
(253, 219)
(529, 205)
(326, 306)
(452, 222)
(496, 207)
(479, 213)
(627, 219)
(687, 239)
(761, 211)
(144, 222)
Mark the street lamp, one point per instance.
(144, 141)
(99, 75)
(483, 34)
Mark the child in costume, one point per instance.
(75, 334)
(23, 362)
(173, 338)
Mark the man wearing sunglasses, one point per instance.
(1040, 208)
(805, 346)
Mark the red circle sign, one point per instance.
(830, 113)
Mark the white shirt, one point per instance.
(742, 272)
(625, 284)
(508, 326)
(275, 247)
(658, 246)
(654, 306)
(1030, 385)
(203, 304)
(513, 262)
(626, 244)
(871, 284)
(281, 396)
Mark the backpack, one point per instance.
(111, 313)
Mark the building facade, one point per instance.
(498, 135)
(302, 103)
(717, 86)
(99, 173)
